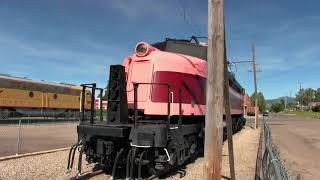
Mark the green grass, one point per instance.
(303, 114)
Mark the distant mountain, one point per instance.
(277, 100)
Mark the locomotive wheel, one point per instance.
(172, 150)
(193, 147)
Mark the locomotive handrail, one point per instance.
(100, 103)
(172, 97)
(135, 102)
(84, 86)
(94, 88)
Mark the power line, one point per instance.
(188, 18)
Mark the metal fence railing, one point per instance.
(272, 166)
(11, 116)
(32, 132)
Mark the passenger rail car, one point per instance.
(156, 110)
(26, 96)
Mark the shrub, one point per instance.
(316, 108)
(250, 113)
(277, 107)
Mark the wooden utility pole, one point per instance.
(214, 96)
(256, 120)
(228, 113)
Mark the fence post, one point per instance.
(18, 142)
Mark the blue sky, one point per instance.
(75, 41)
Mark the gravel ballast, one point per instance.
(41, 167)
(245, 144)
(53, 165)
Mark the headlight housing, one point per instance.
(143, 49)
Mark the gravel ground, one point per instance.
(245, 144)
(41, 167)
(53, 165)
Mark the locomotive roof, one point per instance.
(33, 81)
(28, 84)
(234, 83)
(183, 46)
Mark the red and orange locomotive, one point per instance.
(156, 110)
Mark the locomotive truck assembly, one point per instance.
(156, 110)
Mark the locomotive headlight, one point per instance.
(141, 49)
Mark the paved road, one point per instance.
(299, 142)
(36, 137)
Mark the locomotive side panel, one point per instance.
(26, 94)
(17, 98)
(181, 73)
(140, 72)
(236, 101)
(62, 101)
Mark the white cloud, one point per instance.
(49, 62)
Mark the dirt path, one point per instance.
(53, 165)
(299, 143)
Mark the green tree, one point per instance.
(316, 108)
(261, 101)
(317, 95)
(277, 107)
(291, 105)
(305, 96)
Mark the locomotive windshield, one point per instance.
(182, 47)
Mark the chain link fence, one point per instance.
(33, 117)
(272, 166)
(30, 132)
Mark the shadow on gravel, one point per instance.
(179, 170)
(225, 177)
(88, 175)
